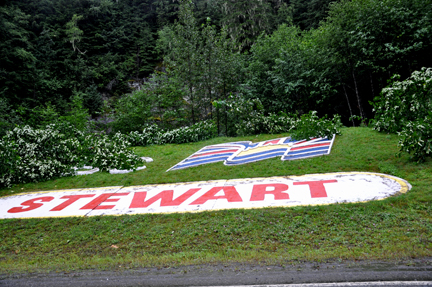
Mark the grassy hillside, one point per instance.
(394, 228)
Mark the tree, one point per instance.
(74, 33)
(245, 20)
(181, 45)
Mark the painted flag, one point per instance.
(260, 151)
(246, 152)
(210, 154)
(311, 148)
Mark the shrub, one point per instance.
(154, 135)
(32, 155)
(248, 119)
(198, 132)
(405, 108)
(309, 125)
(416, 138)
(403, 101)
(109, 153)
(242, 114)
(36, 155)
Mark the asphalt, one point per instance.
(416, 272)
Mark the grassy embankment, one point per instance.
(399, 227)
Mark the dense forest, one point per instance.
(128, 63)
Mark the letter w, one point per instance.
(165, 196)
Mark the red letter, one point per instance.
(166, 197)
(231, 195)
(70, 199)
(31, 204)
(317, 188)
(260, 190)
(96, 203)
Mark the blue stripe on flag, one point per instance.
(304, 155)
(254, 158)
(186, 163)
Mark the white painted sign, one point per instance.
(207, 195)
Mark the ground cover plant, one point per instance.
(399, 227)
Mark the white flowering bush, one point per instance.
(109, 153)
(310, 125)
(403, 101)
(416, 138)
(198, 132)
(248, 118)
(150, 135)
(243, 115)
(32, 155)
(154, 135)
(36, 155)
(405, 108)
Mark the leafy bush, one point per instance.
(159, 101)
(132, 112)
(309, 125)
(108, 153)
(403, 101)
(198, 132)
(36, 155)
(248, 118)
(150, 135)
(242, 114)
(31, 155)
(405, 108)
(8, 117)
(416, 138)
(154, 135)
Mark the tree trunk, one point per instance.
(360, 106)
(137, 63)
(349, 105)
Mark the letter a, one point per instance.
(231, 195)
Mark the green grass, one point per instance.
(399, 227)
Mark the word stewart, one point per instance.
(201, 196)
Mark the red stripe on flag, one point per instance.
(214, 152)
(272, 142)
(309, 146)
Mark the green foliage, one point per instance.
(133, 112)
(243, 115)
(40, 116)
(247, 118)
(8, 117)
(309, 125)
(154, 135)
(198, 132)
(92, 100)
(36, 155)
(405, 107)
(403, 101)
(160, 100)
(289, 71)
(416, 138)
(32, 155)
(9, 158)
(202, 60)
(73, 33)
(77, 115)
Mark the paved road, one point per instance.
(407, 273)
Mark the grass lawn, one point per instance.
(399, 227)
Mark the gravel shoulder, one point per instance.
(234, 274)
